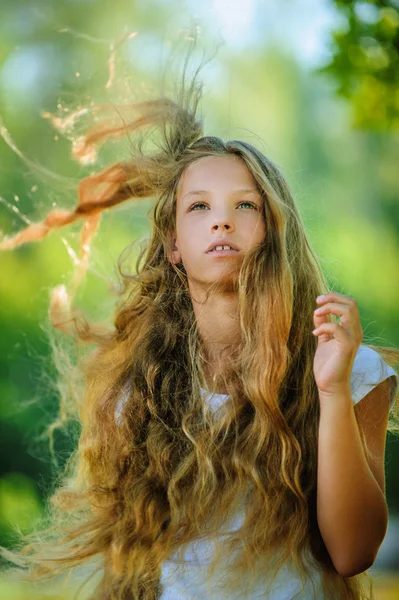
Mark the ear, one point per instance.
(174, 255)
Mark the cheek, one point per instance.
(191, 233)
(262, 230)
(257, 228)
(189, 245)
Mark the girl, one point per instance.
(233, 423)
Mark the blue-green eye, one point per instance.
(195, 205)
(202, 204)
(250, 204)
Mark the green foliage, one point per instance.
(365, 61)
(20, 503)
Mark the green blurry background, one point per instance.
(312, 83)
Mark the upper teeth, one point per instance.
(222, 248)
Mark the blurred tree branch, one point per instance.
(365, 61)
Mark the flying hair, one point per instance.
(154, 468)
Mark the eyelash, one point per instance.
(203, 204)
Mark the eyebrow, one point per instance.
(233, 192)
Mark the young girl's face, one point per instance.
(217, 197)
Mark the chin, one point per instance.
(220, 285)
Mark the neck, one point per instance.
(217, 322)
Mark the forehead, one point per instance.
(228, 171)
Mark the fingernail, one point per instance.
(320, 298)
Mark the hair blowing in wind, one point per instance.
(159, 469)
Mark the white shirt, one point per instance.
(185, 581)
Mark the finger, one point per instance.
(331, 329)
(348, 314)
(335, 297)
(320, 315)
(319, 319)
(337, 308)
(334, 308)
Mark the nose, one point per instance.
(222, 224)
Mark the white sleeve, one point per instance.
(369, 369)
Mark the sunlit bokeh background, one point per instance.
(313, 83)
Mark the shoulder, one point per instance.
(369, 369)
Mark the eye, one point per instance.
(250, 204)
(195, 205)
(202, 204)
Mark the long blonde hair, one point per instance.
(155, 469)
